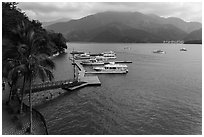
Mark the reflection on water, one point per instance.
(161, 94)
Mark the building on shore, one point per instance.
(173, 41)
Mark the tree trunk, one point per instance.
(30, 100)
(10, 94)
(22, 93)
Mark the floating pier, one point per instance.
(119, 62)
(104, 72)
(81, 81)
(50, 85)
(87, 80)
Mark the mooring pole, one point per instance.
(73, 62)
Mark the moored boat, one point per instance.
(113, 68)
(159, 51)
(109, 52)
(109, 56)
(76, 52)
(183, 49)
(92, 62)
(82, 56)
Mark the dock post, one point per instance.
(73, 62)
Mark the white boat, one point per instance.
(183, 49)
(92, 62)
(113, 68)
(109, 56)
(159, 51)
(101, 58)
(109, 52)
(82, 56)
(77, 52)
(54, 55)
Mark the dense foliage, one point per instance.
(13, 17)
(59, 42)
(26, 49)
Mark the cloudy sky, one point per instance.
(48, 11)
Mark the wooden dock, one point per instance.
(88, 80)
(123, 61)
(49, 85)
(81, 81)
(104, 72)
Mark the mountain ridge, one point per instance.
(151, 27)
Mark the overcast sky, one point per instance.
(47, 11)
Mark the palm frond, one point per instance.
(49, 74)
(41, 73)
(48, 63)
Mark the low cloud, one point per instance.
(47, 11)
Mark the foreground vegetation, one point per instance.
(26, 48)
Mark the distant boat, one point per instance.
(92, 62)
(183, 49)
(109, 52)
(54, 55)
(106, 56)
(77, 52)
(109, 56)
(82, 56)
(159, 51)
(113, 68)
(128, 48)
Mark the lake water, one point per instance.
(161, 93)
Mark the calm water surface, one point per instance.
(161, 94)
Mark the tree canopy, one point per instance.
(12, 17)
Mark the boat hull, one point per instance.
(92, 64)
(81, 58)
(101, 70)
(107, 72)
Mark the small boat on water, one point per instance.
(159, 51)
(82, 56)
(106, 57)
(109, 52)
(127, 48)
(77, 52)
(113, 68)
(56, 54)
(109, 55)
(183, 49)
(92, 62)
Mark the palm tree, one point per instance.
(32, 58)
(9, 62)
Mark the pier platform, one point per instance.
(104, 72)
(123, 61)
(49, 85)
(81, 81)
(87, 80)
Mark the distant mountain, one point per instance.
(45, 24)
(195, 35)
(116, 32)
(185, 26)
(125, 27)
